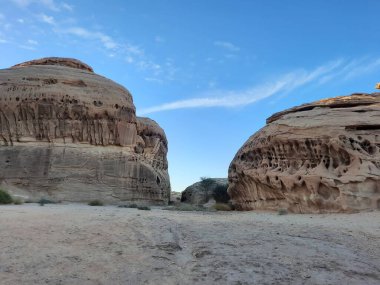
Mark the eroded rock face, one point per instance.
(318, 157)
(203, 191)
(70, 134)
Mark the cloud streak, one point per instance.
(106, 40)
(46, 19)
(363, 68)
(67, 7)
(227, 45)
(50, 4)
(286, 83)
(132, 54)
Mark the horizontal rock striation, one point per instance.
(318, 157)
(70, 134)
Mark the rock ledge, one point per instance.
(60, 61)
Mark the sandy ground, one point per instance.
(79, 244)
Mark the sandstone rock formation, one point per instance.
(318, 157)
(69, 134)
(203, 191)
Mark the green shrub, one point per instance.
(188, 207)
(220, 193)
(134, 206)
(18, 201)
(222, 207)
(282, 212)
(44, 201)
(206, 182)
(5, 198)
(145, 208)
(95, 203)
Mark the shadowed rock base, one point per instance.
(80, 174)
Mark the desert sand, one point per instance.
(79, 244)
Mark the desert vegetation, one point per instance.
(222, 207)
(187, 207)
(95, 203)
(44, 201)
(5, 198)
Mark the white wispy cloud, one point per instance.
(159, 39)
(212, 83)
(223, 98)
(107, 41)
(364, 68)
(67, 7)
(152, 79)
(347, 67)
(160, 73)
(133, 49)
(130, 53)
(69, 29)
(171, 70)
(129, 59)
(227, 45)
(286, 83)
(5, 25)
(49, 4)
(32, 42)
(27, 47)
(23, 3)
(150, 65)
(353, 68)
(3, 40)
(46, 19)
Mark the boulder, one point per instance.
(205, 190)
(317, 157)
(69, 134)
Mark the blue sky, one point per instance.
(209, 72)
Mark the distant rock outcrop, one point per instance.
(69, 134)
(201, 192)
(318, 157)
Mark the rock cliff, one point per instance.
(70, 134)
(317, 157)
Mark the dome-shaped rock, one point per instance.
(70, 134)
(318, 157)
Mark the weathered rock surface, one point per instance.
(70, 134)
(69, 62)
(201, 192)
(318, 157)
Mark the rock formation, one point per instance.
(203, 191)
(317, 157)
(69, 134)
